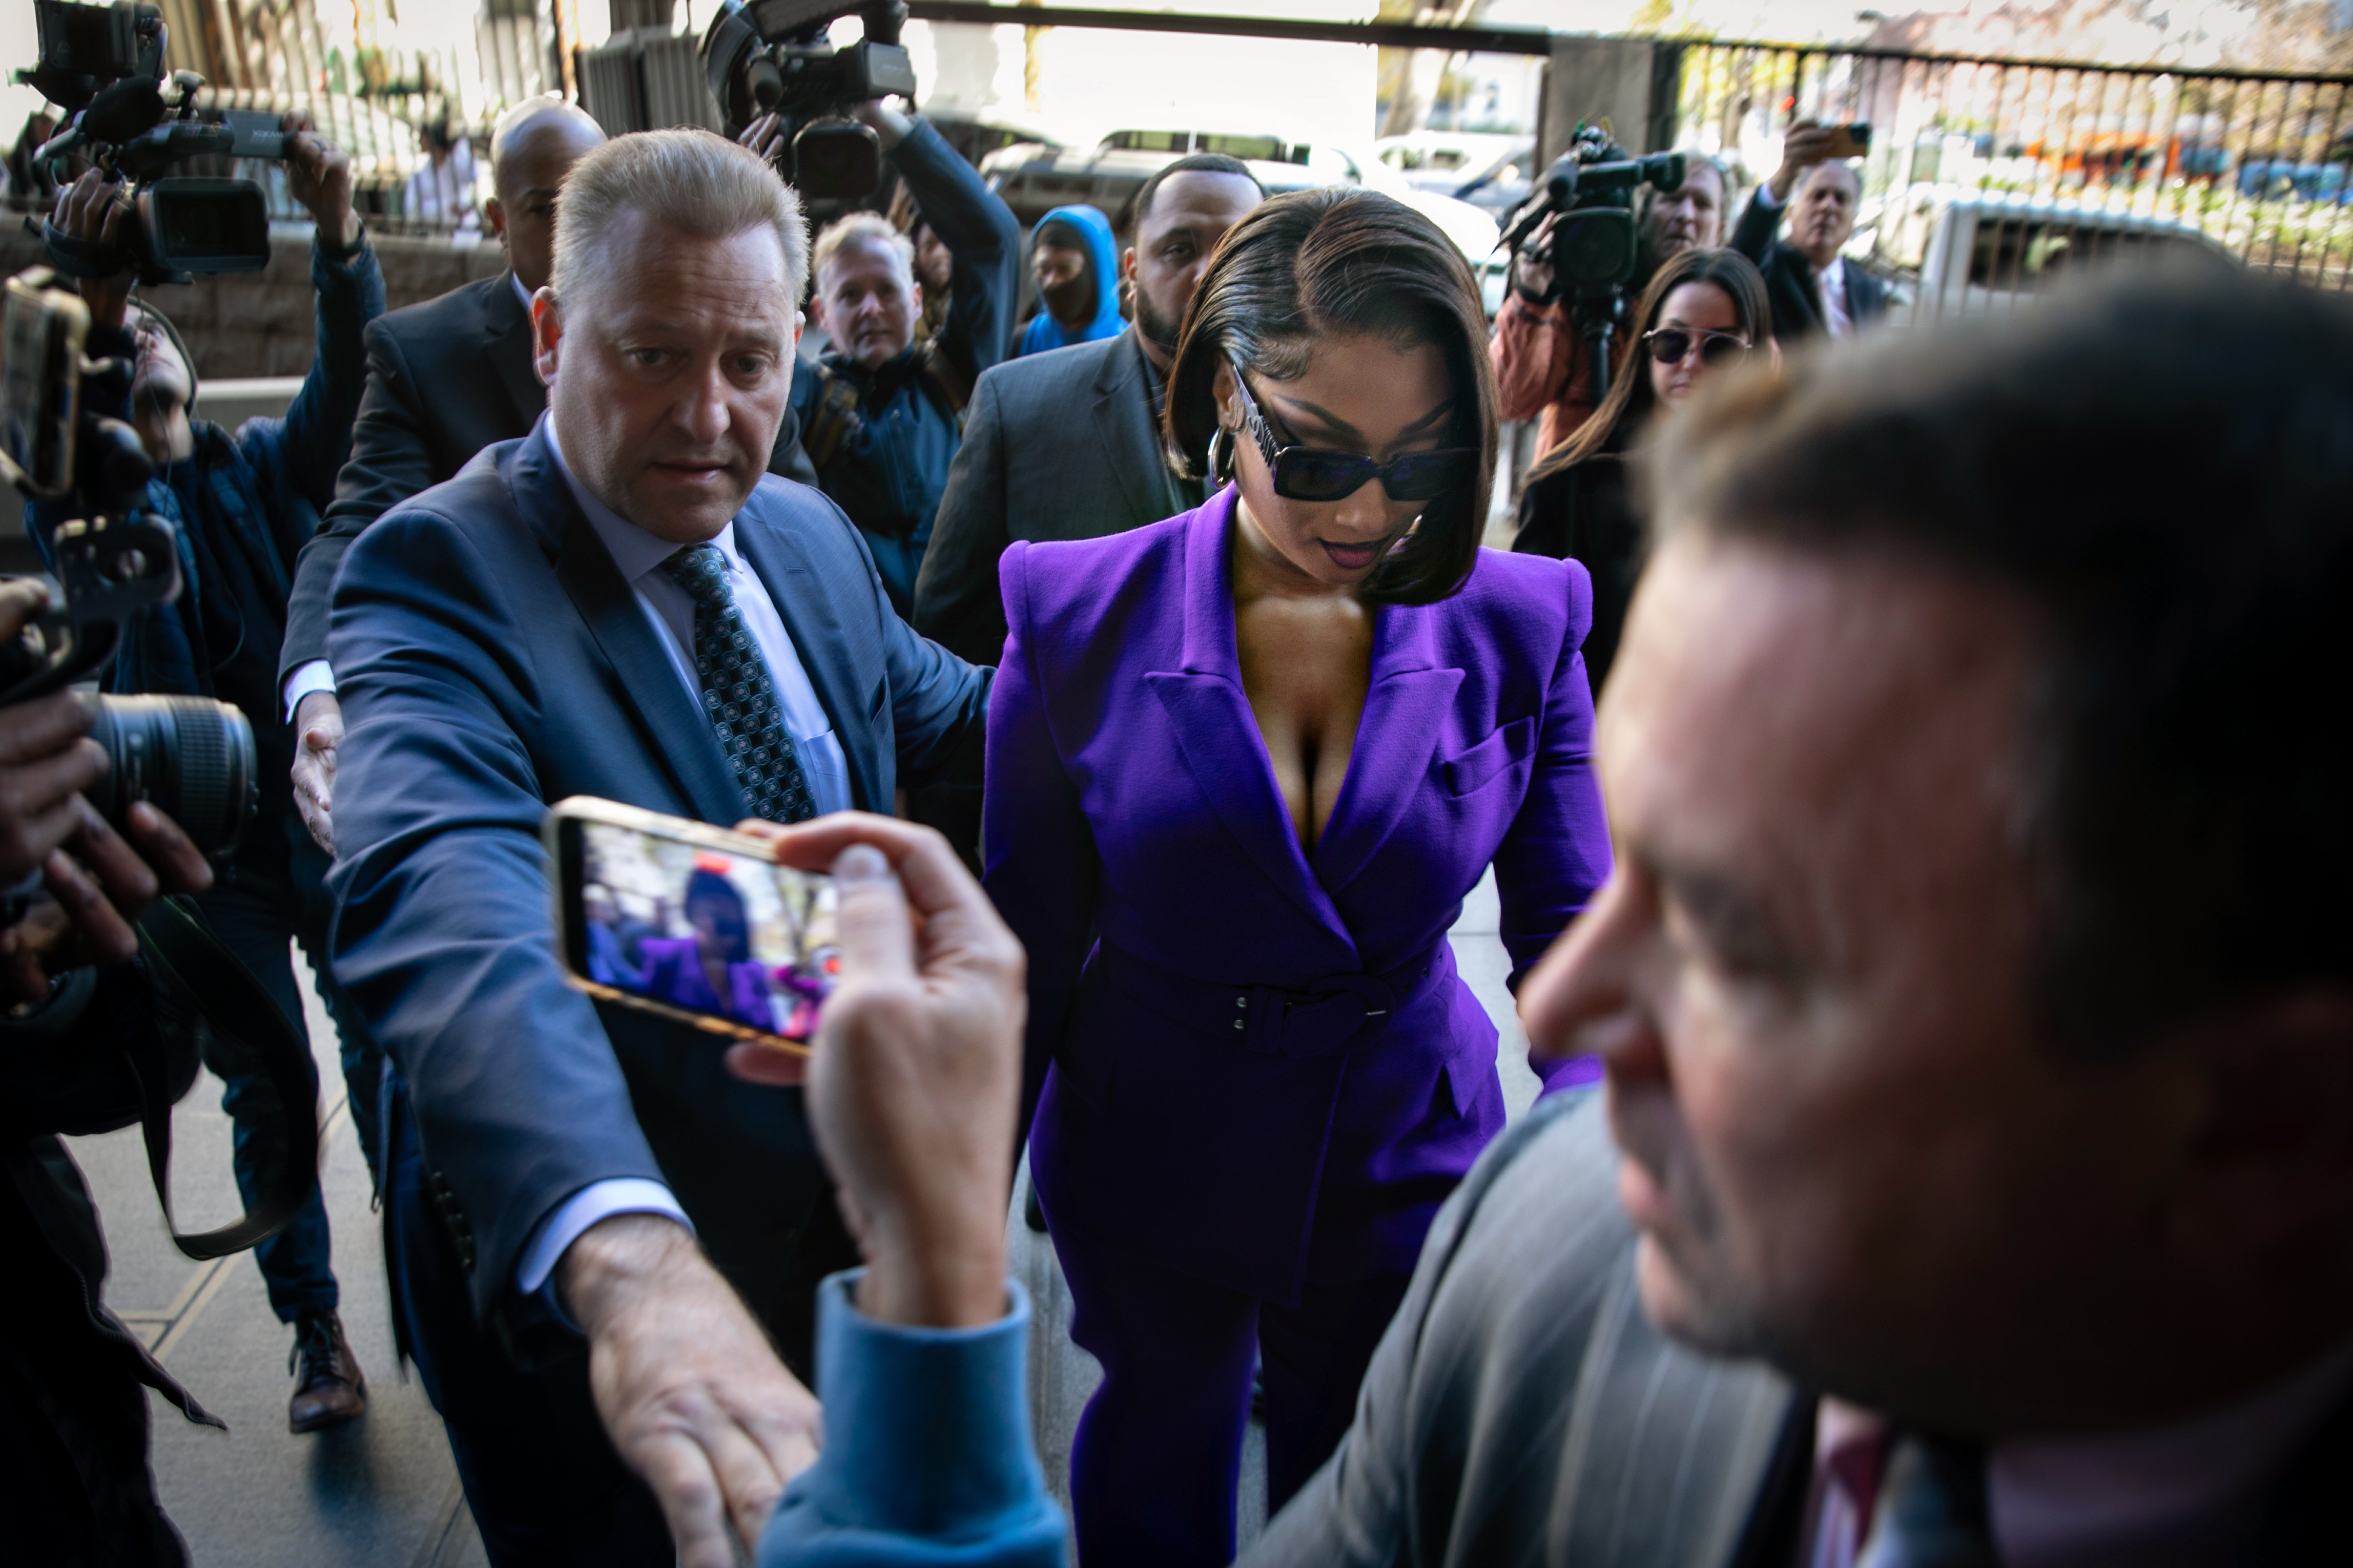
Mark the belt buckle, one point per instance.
(1376, 1003)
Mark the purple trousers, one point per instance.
(1158, 1454)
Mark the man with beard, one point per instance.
(1029, 469)
(1811, 287)
(1541, 368)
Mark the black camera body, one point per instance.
(771, 57)
(192, 757)
(104, 66)
(1588, 192)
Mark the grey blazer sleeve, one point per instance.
(957, 601)
(389, 462)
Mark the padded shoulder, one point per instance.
(1551, 601)
(1045, 384)
(1072, 585)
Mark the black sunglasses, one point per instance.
(1307, 473)
(1670, 345)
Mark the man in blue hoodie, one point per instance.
(1075, 263)
(882, 412)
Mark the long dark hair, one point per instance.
(1315, 264)
(1630, 397)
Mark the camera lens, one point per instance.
(190, 757)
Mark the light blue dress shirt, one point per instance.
(638, 556)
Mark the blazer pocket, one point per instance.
(1477, 767)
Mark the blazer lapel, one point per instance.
(509, 346)
(1123, 423)
(1405, 707)
(682, 737)
(820, 642)
(1216, 732)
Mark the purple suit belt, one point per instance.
(1326, 1017)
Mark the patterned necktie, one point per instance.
(1932, 1509)
(738, 697)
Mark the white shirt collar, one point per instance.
(633, 550)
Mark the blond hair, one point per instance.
(865, 228)
(687, 179)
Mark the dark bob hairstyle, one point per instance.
(1327, 263)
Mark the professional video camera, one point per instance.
(192, 757)
(772, 56)
(103, 65)
(1590, 194)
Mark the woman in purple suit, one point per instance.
(1243, 766)
(713, 970)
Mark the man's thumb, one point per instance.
(871, 906)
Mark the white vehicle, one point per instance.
(1989, 250)
(1487, 170)
(1034, 179)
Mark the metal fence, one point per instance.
(2048, 163)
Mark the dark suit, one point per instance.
(1789, 283)
(445, 379)
(492, 659)
(1056, 445)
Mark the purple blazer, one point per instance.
(673, 973)
(1264, 1068)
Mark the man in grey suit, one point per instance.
(1066, 445)
(1975, 989)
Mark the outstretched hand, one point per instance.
(916, 1079)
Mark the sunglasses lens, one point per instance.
(1426, 476)
(1320, 476)
(1668, 346)
(1720, 351)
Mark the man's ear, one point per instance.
(547, 335)
(1127, 265)
(494, 212)
(815, 315)
(2269, 1167)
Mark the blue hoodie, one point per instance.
(1094, 230)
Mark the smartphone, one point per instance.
(1851, 141)
(42, 333)
(694, 923)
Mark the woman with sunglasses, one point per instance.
(1243, 766)
(1704, 311)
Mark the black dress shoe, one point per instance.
(328, 1387)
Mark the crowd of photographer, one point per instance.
(1965, 1138)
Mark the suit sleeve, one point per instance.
(389, 462)
(317, 435)
(957, 601)
(1557, 852)
(1759, 225)
(443, 935)
(1043, 869)
(980, 233)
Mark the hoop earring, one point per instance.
(1221, 456)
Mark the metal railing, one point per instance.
(2049, 155)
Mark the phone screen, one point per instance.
(730, 937)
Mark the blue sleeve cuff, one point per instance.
(928, 1457)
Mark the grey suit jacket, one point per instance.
(1056, 445)
(1521, 1410)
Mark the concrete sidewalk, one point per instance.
(382, 1492)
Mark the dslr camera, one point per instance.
(771, 56)
(1589, 191)
(103, 65)
(190, 757)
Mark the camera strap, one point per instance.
(246, 1024)
(81, 258)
